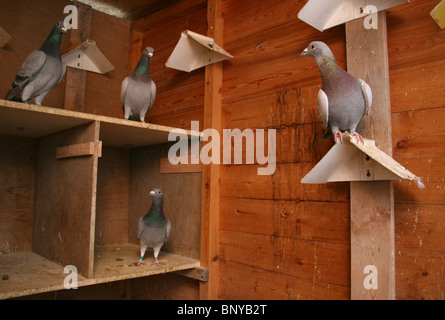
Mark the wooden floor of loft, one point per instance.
(28, 273)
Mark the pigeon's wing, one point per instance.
(167, 230)
(367, 94)
(124, 90)
(140, 228)
(323, 108)
(62, 73)
(29, 69)
(153, 93)
(32, 65)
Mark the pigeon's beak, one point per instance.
(150, 54)
(152, 193)
(63, 30)
(304, 53)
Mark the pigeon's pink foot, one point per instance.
(358, 137)
(156, 262)
(340, 135)
(139, 262)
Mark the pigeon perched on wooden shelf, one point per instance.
(138, 91)
(42, 70)
(343, 100)
(154, 227)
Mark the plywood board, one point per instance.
(17, 181)
(65, 200)
(26, 120)
(29, 273)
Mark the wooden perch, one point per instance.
(87, 56)
(354, 161)
(79, 150)
(323, 15)
(194, 51)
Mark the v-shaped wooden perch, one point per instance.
(356, 161)
(194, 51)
(87, 56)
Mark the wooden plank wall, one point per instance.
(417, 67)
(280, 239)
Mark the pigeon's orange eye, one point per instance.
(313, 46)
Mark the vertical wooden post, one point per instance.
(372, 203)
(76, 78)
(211, 173)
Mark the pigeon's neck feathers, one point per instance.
(142, 68)
(328, 66)
(155, 216)
(51, 46)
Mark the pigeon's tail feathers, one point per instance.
(14, 93)
(134, 117)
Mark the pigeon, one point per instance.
(42, 70)
(343, 100)
(153, 228)
(138, 91)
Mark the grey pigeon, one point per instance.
(154, 227)
(138, 91)
(42, 70)
(343, 100)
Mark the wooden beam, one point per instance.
(76, 78)
(78, 150)
(211, 173)
(372, 203)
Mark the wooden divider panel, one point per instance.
(65, 200)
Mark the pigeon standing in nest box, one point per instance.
(154, 227)
(138, 91)
(343, 100)
(42, 70)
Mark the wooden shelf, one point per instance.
(29, 120)
(29, 273)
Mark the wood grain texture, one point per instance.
(113, 187)
(17, 186)
(65, 200)
(211, 174)
(372, 203)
